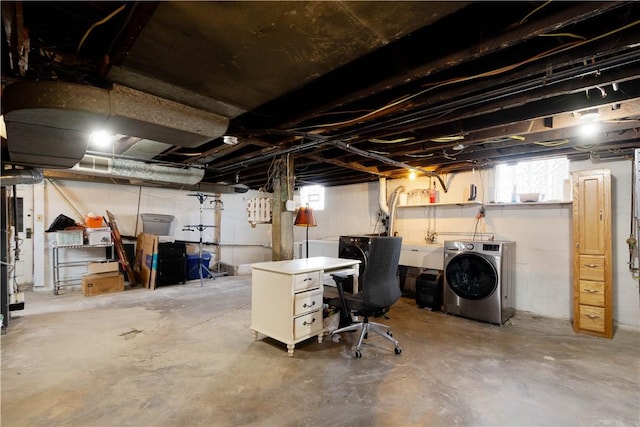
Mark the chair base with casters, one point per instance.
(365, 326)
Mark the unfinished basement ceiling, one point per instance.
(354, 91)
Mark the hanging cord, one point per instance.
(100, 22)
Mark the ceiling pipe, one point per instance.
(394, 203)
(382, 196)
(388, 161)
(20, 176)
(135, 170)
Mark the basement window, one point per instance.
(546, 177)
(312, 195)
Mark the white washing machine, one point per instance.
(479, 279)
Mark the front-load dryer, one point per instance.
(355, 247)
(479, 279)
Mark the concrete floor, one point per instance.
(184, 356)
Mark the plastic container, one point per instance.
(93, 221)
(162, 225)
(193, 264)
(69, 238)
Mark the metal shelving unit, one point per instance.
(59, 283)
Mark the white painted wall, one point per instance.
(543, 234)
(241, 243)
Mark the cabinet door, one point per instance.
(592, 209)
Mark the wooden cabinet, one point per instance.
(286, 297)
(592, 282)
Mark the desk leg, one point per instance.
(320, 336)
(254, 334)
(290, 349)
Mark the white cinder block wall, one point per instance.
(542, 234)
(240, 242)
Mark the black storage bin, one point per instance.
(172, 249)
(429, 290)
(172, 263)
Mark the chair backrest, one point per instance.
(381, 284)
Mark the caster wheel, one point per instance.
(397, 350)
(366, 336)
(390, 333)
(358, 354)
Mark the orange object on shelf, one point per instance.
(93, 221)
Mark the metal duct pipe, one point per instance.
(20, 176)
(394, 202)
(382, 196)
(136, 170)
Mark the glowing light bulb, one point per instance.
(100, 138)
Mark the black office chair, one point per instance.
(380, 290)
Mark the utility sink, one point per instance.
(423, 255)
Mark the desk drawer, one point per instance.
(592, 293)
(592, 318)
(591, 267)
(306, 281)
(307, 301)
(307, 325)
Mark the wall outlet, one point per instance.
(290, 205)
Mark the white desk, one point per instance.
(286, 297)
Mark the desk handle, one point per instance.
(305, 305)
(305, 323)
(307, 279)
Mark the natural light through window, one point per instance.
(548, 177)
(313, 195)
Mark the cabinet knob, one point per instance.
(592, 316)
(592, 291)
(591, 265)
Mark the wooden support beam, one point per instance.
(282, 220)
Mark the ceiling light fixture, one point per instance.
(459, 147)
(100, 139)
(412, 174)
(590, 122)
(589, 129)
(589, 115)
(230, 140)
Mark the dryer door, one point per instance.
(471, 276)
(354, 252)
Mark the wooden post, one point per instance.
(282, 220)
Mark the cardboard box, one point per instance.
(99, 236)
(102, 283)
(103, 267)
(146, 264)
